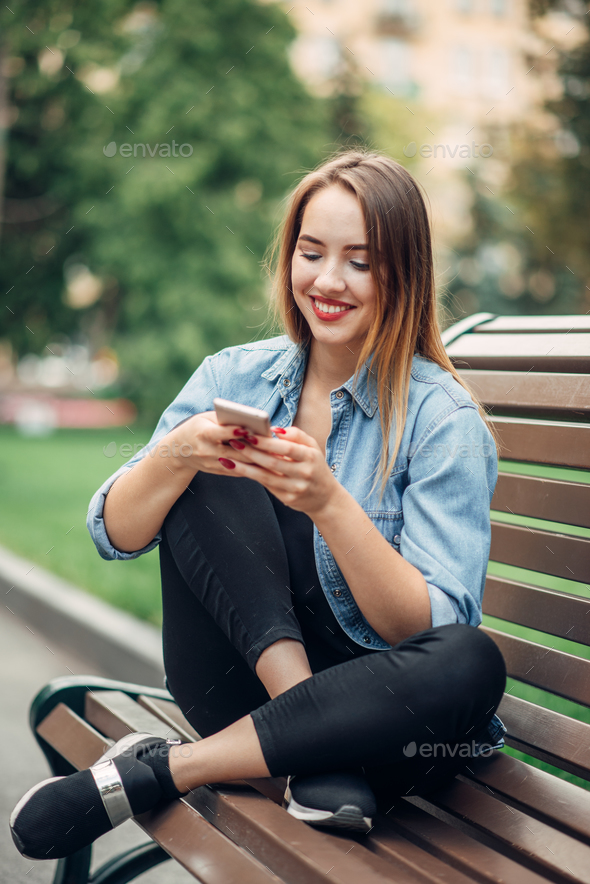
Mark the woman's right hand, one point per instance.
(197, 443)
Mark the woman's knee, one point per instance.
(473, 657)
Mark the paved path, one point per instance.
(26, 664)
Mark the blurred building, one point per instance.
(461, 59)
(462, 86)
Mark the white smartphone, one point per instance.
(254, 419)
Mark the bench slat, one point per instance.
(513, 832)
(555, 671)
(534, 324)
(546, 351)
(552, 393)
(289, 847)
(547, 442)
(551, 499)
(388, 842)
(456, 848)
(204, 851)
(171, 715)
(553, 801)
(297, 853)
(557, 613)
(558, 554)
(72, 737)
(108, 711)
(550, 736)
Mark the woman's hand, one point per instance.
(197, 443)
(291, 467)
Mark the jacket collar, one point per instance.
(289, 370)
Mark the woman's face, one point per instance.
(329, 269)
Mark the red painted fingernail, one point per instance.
(228, 464)
(252, 439)
(237, 445)
(278, 430)
(240, 432)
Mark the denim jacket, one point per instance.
(435, 509)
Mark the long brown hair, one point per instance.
(400, 258)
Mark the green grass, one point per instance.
(46, 485)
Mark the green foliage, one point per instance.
(176, 240)
(529, 250)
(514, 261)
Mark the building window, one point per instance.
(463, 69)
(315, 58)
(395, 65)
(396, 18)
(496, 78)
(395, 7)
(499, 8)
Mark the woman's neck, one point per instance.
(329, 367)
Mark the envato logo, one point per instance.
(165, 450)
(458, 450)
(444, 750)
(464, 151)
(161, 750)
(163, 150)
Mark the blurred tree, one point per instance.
(529, 251)
(149, 149)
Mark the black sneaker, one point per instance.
(342, 800)
(61, 815)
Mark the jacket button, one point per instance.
(338, 593)
(366, 639)
(397, 539)
(287, 382)
(333, 467)
(339, 394)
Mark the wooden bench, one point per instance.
(505, 820)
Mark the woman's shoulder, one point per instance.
(253, 365)
(432, 382)
(268, 349)
(440, 406)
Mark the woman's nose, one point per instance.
(330, 281)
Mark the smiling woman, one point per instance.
(335, 267)
(283, 568)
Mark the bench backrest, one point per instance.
(533, 376)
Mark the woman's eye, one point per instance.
(358, 265)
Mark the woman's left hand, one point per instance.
(291, 467)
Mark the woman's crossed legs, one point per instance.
(408, 715)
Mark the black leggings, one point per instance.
(406, 715)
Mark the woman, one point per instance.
(336, 567)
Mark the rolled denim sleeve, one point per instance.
(195, 397)
(446, 505)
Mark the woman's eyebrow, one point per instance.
(306, 236)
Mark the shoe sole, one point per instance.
(348, 816)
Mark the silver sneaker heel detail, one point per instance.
(112, 792)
